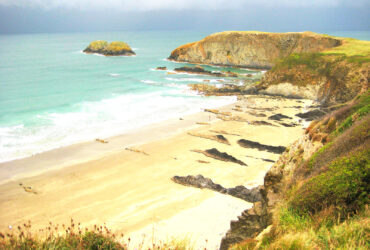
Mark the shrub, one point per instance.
(344, 185)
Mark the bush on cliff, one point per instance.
(345, 186)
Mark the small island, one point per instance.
(116, 48)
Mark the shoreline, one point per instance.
(92, 150)
(132, 192)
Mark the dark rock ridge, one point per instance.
(250, 49)
(279, 117)
(261, 123)
(312, 115)
(222, 156)
(198, 70)
(116, 48)
(261, 147)
(251, 222)
(241, 192)
(161, 68)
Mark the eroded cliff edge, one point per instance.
(250, 48)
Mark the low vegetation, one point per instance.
(74, 236)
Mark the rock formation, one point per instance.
(112, 49)
(222, 156)
(241, 192)
(261, 147)
(250, 49)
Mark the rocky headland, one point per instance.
(115, 48)
(251, 49)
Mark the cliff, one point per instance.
(251, 49)
(316, 195)
(116, 48)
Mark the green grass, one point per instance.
(304, 233)
(358, 112)
(351, 48)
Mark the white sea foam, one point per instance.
(114, 74)
(100, 119)
(194, 80)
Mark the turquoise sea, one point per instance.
(53, 95)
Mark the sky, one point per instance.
(35, 16)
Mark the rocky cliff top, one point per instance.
(116, 48)
(251, 49)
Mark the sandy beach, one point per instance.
(132, 192)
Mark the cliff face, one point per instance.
(330, 79)
(250, 49)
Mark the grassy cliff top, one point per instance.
(351, 47)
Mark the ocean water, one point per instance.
(53, 95)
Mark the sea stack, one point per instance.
(251, 49)
(116, 48)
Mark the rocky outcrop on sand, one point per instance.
(222, 156)
(261, 147)
(218, 138)
(241, 192)
(116, 48)
(250, 49)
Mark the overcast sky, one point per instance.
(28, 16)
